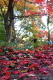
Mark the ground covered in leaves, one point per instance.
(26, 65)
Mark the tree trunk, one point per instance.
(13, 34)
(8, 21)
(48, 34)
(48, 30)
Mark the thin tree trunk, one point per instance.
(48, 30)
(13, 34)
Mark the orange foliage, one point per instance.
(40, 7)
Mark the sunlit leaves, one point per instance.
(20, 5)
(32, 7)
(38, 1)
(41, 6)
(4, 3)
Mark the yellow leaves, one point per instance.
(20, 5)
(20, 45)
(36, 30)
(12, 65)
(33, 22)
(4, 2)
(23, 71)
(1, 1)
(4, 5)
(32, 7)
(36, 27)
(51, 66)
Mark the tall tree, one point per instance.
(26, 8)
(8, 15)
(8, 20)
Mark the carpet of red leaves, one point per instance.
(26, 65)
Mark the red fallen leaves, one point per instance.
(6, 62)
(51, 65)
(47, 62)
(35, 65)
(16, 72)
(27, 63)
(5, 77)
(14, 57)
(23, 74)
(44, 71)
(5, 71)
(0, 50)
(32, 51)
(34, 78)
(40, 55)
(6, 68)
(8, 73)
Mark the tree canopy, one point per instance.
(31, 7)
(25, 9)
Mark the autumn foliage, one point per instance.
(37, 7)
(26, 65)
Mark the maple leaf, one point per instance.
(48, 62)
(1, 50)
(14, 57)
(44, 71)
(5, 77)
(16, 72)
(51, 65)
(34, 78)
(32, 51)
(42, 55)
(23, 74)
(34, 65)
(8, 73)
(26, 62)
(5, 70)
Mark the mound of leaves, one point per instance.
(26, 65)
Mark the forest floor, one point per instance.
(26, 65)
